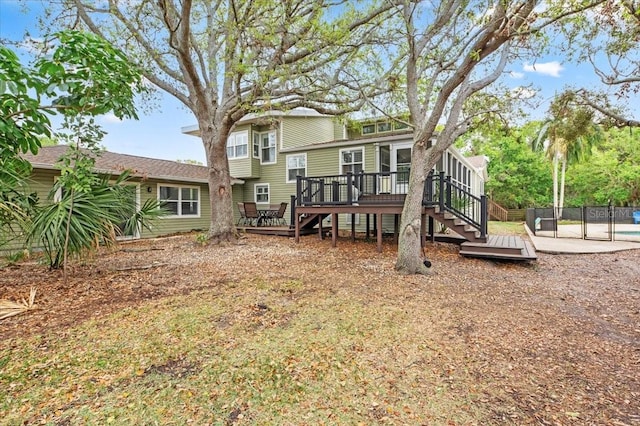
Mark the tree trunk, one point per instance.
(561, 201)
(409, 246)
(555, 183)
(221, 227)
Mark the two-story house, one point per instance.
(269, 151)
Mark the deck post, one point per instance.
(423, 229)
(334, 229)
(449, 188)
(483, 216)
(396, 228)
(432, 230)
(297, 228)
(427, 196)
(349, 187)
(353, 227)
(367, 226)
(292, 211)
(379, 233)
(299, 188)
(441, 193)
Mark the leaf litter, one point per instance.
(272, 331)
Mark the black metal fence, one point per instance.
(603, 223)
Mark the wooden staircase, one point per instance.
(310, 221)
(456, 224)
(496, 211)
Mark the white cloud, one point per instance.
(517, 75)
(111, 118)
(552, 68)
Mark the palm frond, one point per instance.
(9, 308)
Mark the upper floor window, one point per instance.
(256, 145)
(368, 129)
(267, 147)
(351, 160)
(384, 126)
(400, 126)
(296, 165)
(238, 145)
(180, 200)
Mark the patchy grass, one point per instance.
(250, 353)
(507, 228)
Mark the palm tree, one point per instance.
(567, 137)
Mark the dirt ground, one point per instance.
(561, 335)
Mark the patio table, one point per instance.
(267, 214)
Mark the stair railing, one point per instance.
(457, 200)
(497, 211)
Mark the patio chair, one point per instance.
(251, 213)
(243, 216)
(279, 217)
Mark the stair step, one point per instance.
(507, 247)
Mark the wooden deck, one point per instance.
(506, 247)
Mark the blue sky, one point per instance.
(157, 133)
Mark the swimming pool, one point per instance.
(628, 232)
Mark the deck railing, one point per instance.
(457, 200)
(350, 188)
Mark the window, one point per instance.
(267, 143)
(351, 160)
(400, 126)
(368, 129)
(296, 165)
(180, 200)
(384, 126)
(256, 145)
(262, 193)
(237, 145)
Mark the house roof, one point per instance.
(395, 137)
(114, 163)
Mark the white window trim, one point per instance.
(255, 135)
(234, 134)
(355, 148)
(286, 176)
(275, 147)
(255, 193)
(180, 187)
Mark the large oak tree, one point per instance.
(224, 59)
(455, 50)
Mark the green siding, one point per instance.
(237, 195)
(300, 131)
(171, 225)
(42, 181)
(241, 168)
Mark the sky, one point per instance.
(157, 133)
